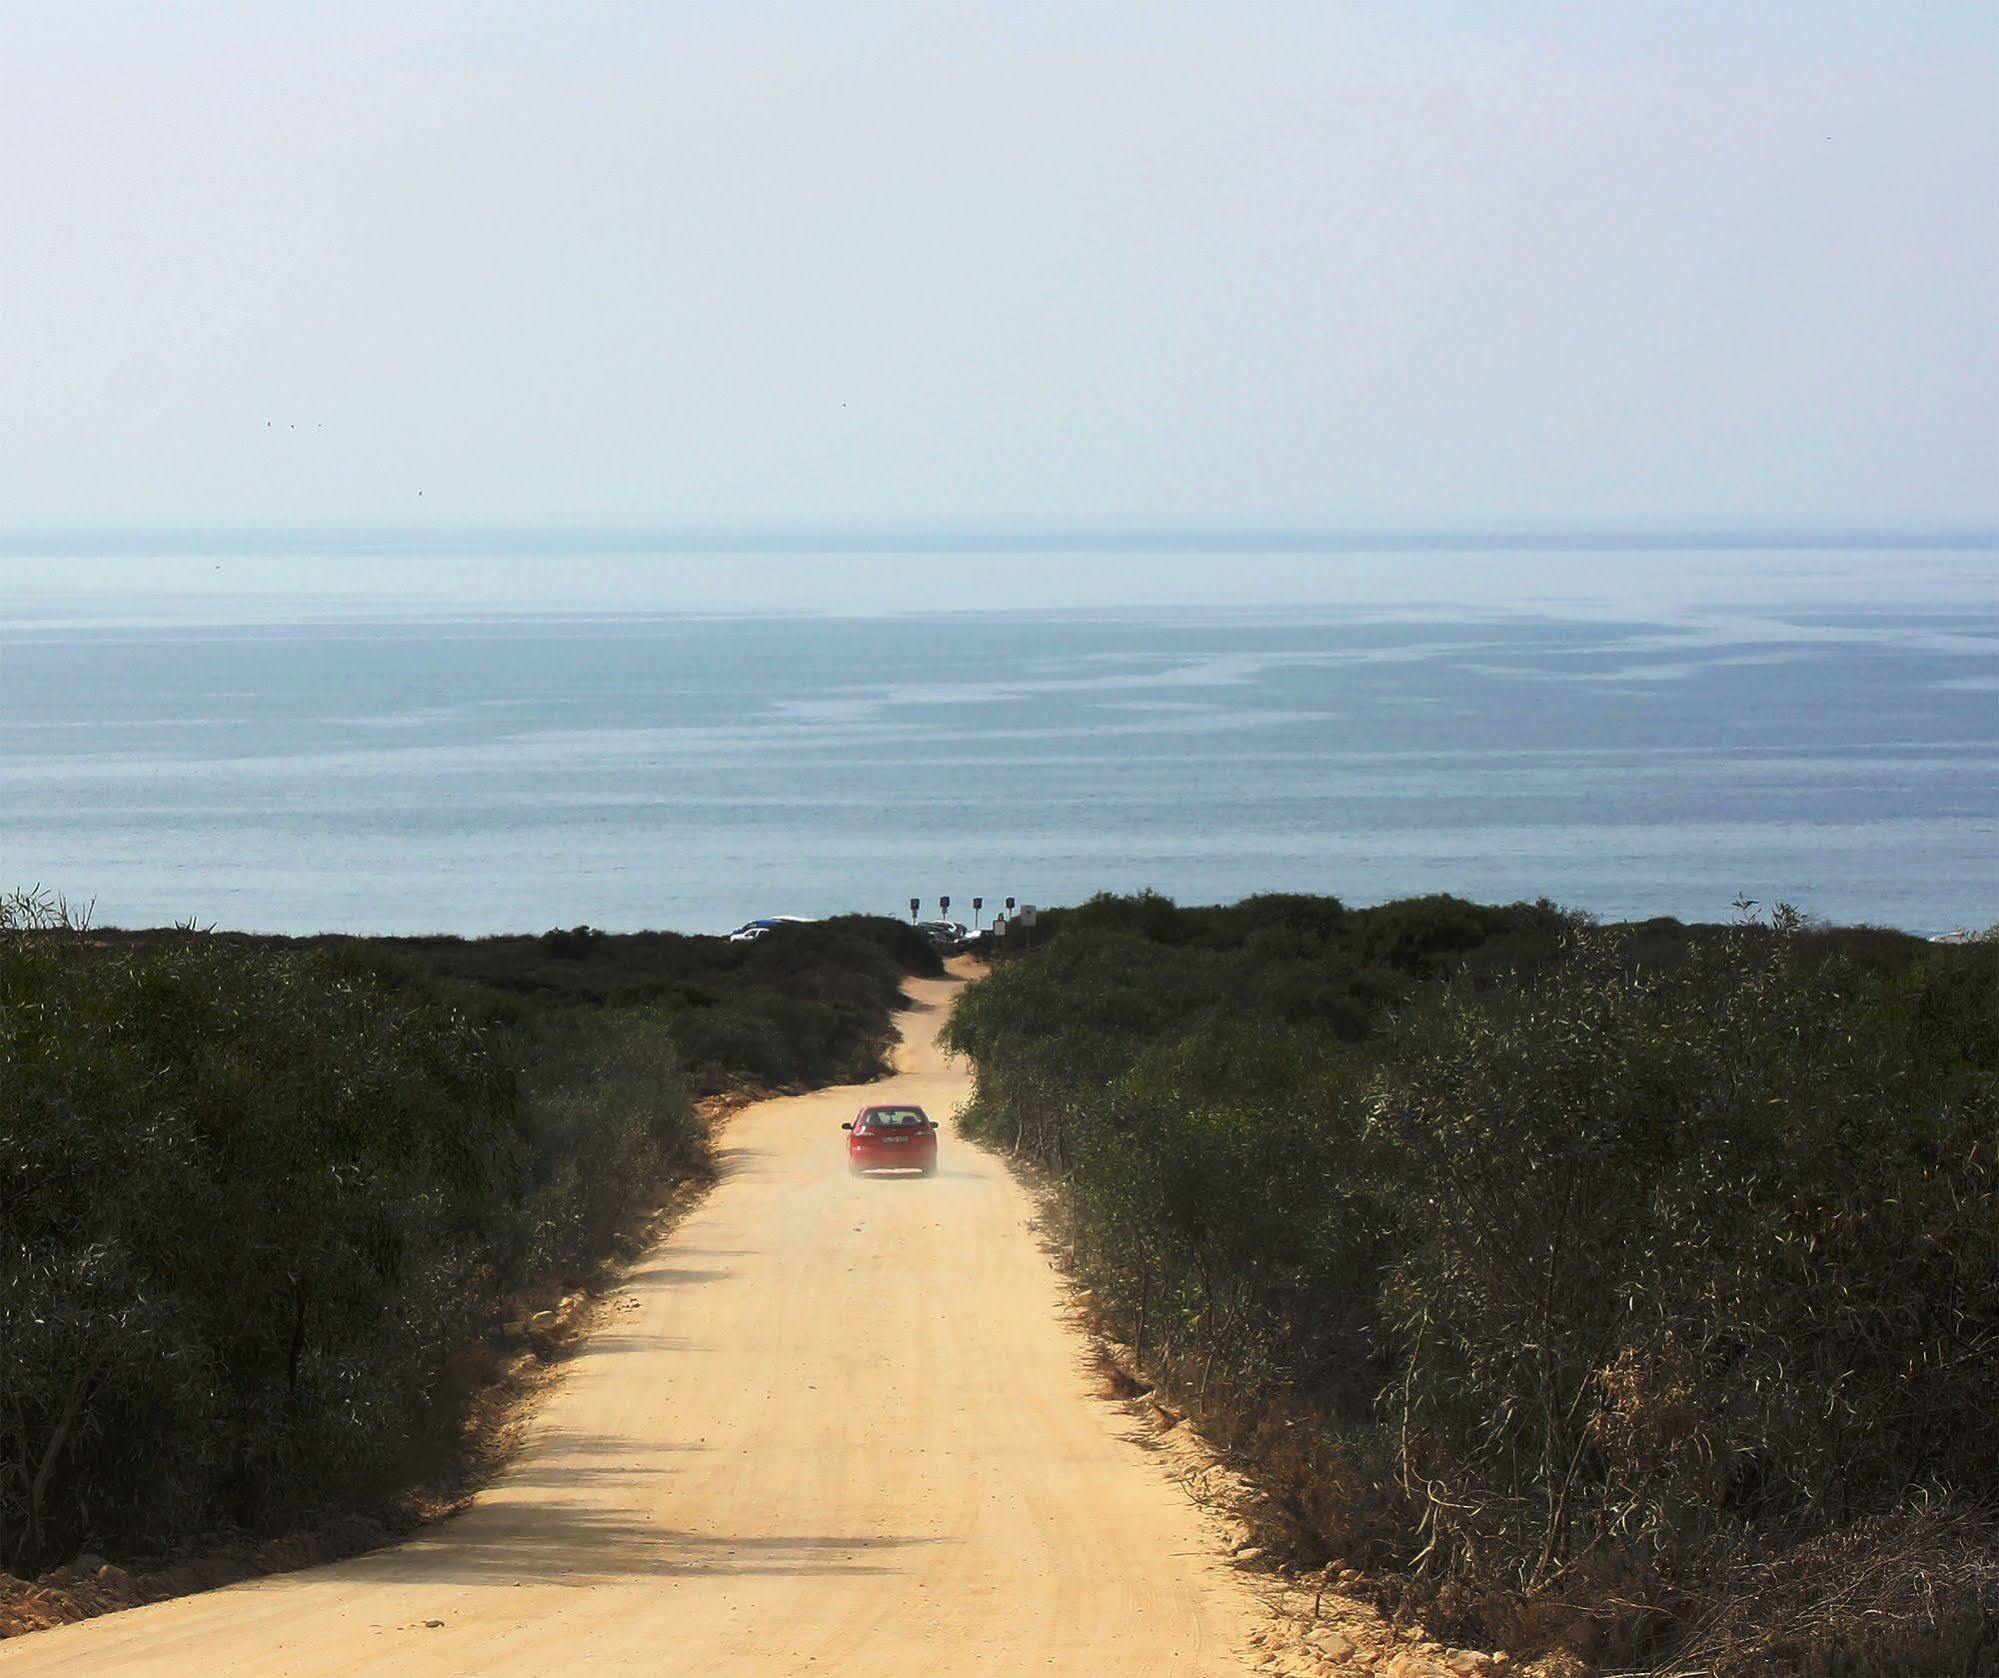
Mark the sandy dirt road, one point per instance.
(844, 1430)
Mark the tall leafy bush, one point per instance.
(1548, 1261)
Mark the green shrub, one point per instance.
(234, 1197)
(1698, 1253)
(732, 1037)
(1566, 1266)
(605, 1121)
(256, 1192)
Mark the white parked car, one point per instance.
(750, 931)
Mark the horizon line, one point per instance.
(471, 540)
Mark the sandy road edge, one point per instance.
(1313, 1624)
(523, 1361)
(528, 1356)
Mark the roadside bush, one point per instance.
(882, 949)
(605, 1123)
(1693, 1261)
(732, 1037)
(235, 1197)
(1587, 1280)
(255, 1193)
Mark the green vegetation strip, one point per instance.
(1630, 1291)
(257, 1193)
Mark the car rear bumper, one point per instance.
(892, 1158)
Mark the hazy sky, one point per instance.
(426, 264)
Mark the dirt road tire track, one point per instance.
(840, 1427)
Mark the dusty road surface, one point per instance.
(843, 1431)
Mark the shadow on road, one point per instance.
(739, 1160)
(518, 1533)
(674, 1276)
(557, 1465)
(552, 1542)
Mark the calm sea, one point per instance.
(379, 766)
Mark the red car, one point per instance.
(896, 1137)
